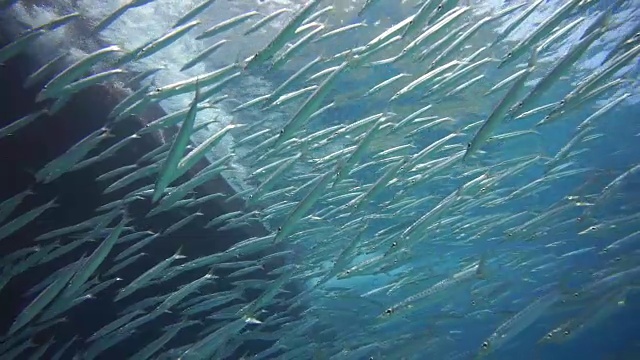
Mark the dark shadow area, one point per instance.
(78, 194)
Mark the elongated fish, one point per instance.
(283, 37)
(21, 221)
(178, 147)
(516, 324)
(500, 111)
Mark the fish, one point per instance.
(303, 206)
(148, 275)
(75, 71)
(43, 299)
(16, 47)
(92, 80)
(193, 13)
(500, 111)
(356, 164)
(308, 107)
(601, 309)
(226, 25)
(265, 21)
(44, 71)
(178, 147)
(540, 31)
(20, 123)
(518, 322)
(283, 37)
(557, 71)
(469, 273)
(65, 162)
(57, 22)
(295, 47)
(17, 223)
(516, 22)
(92, 262)
(111, 18)
(165, 40)
(204, 54)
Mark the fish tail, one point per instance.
(481, 271)
(178, 254)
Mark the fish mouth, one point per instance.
(42, 95)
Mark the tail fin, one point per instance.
(481, 271)
(178, 254)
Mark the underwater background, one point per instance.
(533, 233)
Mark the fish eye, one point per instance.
(388, 311)
(394, 244)
(509, 54)
(483, 189)
(562, 102)
(281, 131)
(279, 228)
(468, 145)
(549, 335)
(567, 332)
(348, 271)
(485, 345)
(592, 228)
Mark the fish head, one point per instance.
(344, 274)
(386, 315)
(470, 148)
(549, 337)
(590, 229)
(505, 60)
(485, 349)
(557, 335)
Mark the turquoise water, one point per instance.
(521, 242)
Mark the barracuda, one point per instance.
(358, 218)
(556, 72)
(283, 37)
(265, 21)
(75, 71)
(226, 25)
(193, 13)
(500, 111)
(475, 271)
(170, 165)
(518, 323)
(540, 32)
(309, 106)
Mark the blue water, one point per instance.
(345, 318)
